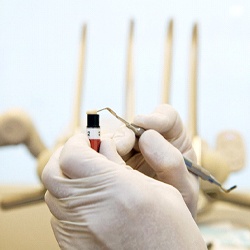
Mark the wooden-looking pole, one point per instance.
(79, 84)
(168, 51)
(192, 116)
(129, 88)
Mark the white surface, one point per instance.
(39, 44)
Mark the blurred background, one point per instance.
(39, 47)
(39, 58)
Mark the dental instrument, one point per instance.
(191, 166)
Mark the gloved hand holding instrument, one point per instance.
(100, 200)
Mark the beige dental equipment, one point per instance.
(21, 130)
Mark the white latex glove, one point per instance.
(98, 202)
(159, 151)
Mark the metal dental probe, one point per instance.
(191, 166)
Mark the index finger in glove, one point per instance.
(124, 139)
(164, 120)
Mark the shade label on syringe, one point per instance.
(93, 131)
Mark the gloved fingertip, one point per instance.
(154, 121)
(124, 140)
(108, 149)
(148, 137)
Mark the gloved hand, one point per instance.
(99, 202)
(159, 151)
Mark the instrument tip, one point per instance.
(230, 189)
(91, 112)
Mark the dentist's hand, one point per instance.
(159, 151)
(99, 202)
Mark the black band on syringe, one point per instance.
(93, 131)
